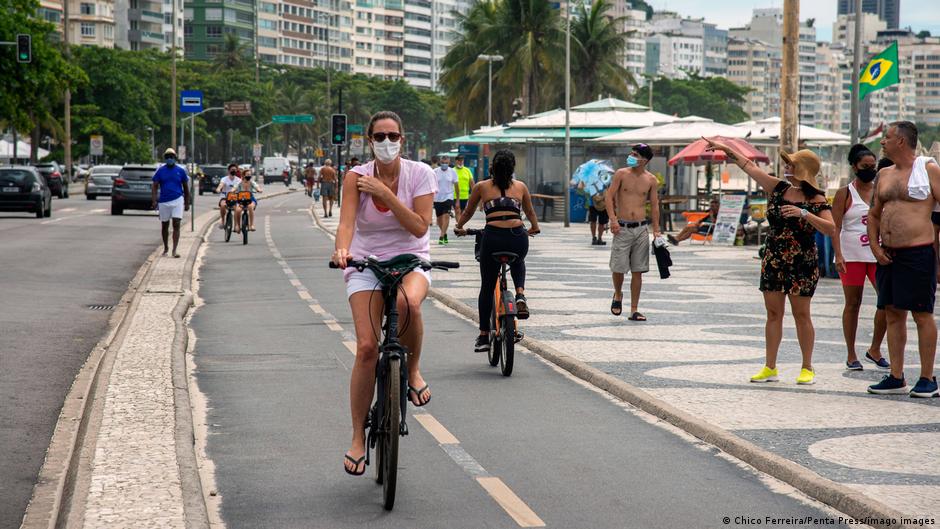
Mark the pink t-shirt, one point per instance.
(379, 233)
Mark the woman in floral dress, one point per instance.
(796, 209)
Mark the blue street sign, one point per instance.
(191, 101)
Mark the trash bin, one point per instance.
(578, 204)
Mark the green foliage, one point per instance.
(927, 135)
(125, 93)
(715, 98)
(29, 90)
(530, 36)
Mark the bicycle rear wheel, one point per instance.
(508, 339)
(493, 354)
(245, 228)
(388, 443)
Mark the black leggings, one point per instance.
(515, 240)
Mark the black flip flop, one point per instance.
(636, 316)
(418, 393)
(617, 305)
(355, 462)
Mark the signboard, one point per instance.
(354, 129)
(422, 154)
(96, 145)
(256, 151)
(293, 118)
(356, 144)
(237, 108)
(191, 101)
(181, 152)
(729, 217)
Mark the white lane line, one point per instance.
(512, 504)
(436, 429)
(102, 210)
(495, 487)
(66, 210)
(295, 282)
(304, 295)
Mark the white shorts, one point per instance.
(363, 281)
(171, 209)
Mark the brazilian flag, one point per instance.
(881, 72)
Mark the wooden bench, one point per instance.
(555, 201)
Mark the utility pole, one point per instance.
(68, 96)
(856, 65)
(789, 138)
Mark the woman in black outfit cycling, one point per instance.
(504, 200)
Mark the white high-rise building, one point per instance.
(92, 23)
(379, 38)
(168, 21)
(843, 29)
(755, 65)
(419, 50)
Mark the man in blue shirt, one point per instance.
(170, 182)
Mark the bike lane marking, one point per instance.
(508, 500)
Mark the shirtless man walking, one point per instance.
(328, 182)
(631, 189)
(902, 240)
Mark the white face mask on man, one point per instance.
(386, 151)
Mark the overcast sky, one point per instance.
(918, 14)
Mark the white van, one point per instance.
(275, 168)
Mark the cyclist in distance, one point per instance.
(247, 184)
(504, 199)
(227, 184)
(394, 199)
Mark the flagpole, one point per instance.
(856, 65)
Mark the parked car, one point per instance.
(23, 188)
(132, 188)
(212, 175)
(54, 175)
(100, 179)
(276, 169)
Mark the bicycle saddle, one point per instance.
(507, 257)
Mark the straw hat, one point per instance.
(805, 166)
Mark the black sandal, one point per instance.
(617, 305)
(418, 393)
(356, 462)
(636, 316)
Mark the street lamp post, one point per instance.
(489, 92)
(567, 171)
(192, 156)
(257, 130)
(153, 154)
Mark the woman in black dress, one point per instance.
(796, 209)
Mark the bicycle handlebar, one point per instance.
(371, 262)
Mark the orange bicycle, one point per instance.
(503, 322)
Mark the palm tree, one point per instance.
(234, 54)
(290, 100)
(597, 47)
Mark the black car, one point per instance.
(24, 189)
(212, 175)
(55, 177)
(132, 188)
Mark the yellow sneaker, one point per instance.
(766, 375)
(806, 377)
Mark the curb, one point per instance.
(856, 505)
(50, 502)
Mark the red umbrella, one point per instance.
(695, 152)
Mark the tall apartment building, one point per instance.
(756, 65)
(207, 23)
(168, 21)
(766, 27)
(832, 106)
(379, 38)
(887, 10)
(715, 43)
(419, 49)
(920, 74)
(138, 24)
(843, 29)
(91, 23)
(633, 24)
(676, 45)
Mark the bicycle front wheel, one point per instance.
(389, 442)
(228, 226)
(244, 228)
(508, 339)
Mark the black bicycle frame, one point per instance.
(390, 349)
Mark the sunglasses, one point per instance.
(380, 136)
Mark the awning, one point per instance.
(535, 135)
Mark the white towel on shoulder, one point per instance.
(918, 185)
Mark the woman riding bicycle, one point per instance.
(504, 199)
(394, 199)
(247, 184)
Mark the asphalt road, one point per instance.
(274, 370)
(52, 270)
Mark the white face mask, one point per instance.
(386, 151)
